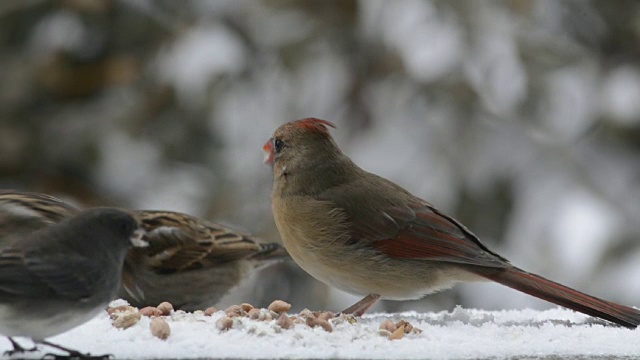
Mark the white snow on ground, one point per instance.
(460, 334)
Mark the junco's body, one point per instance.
(191, 262)
(366, 235)
(58, 269)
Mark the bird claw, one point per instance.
(72, 354)
(18, 349)
(359, 308)
(75, 355)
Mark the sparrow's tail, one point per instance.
(269, 252)
(564, 296)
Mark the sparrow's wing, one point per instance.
(181, 242)
(24, 205)
(403, 226)
(22, 213)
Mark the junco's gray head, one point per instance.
(100, 228)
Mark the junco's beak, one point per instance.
(136, 238)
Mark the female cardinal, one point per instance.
(366, 235)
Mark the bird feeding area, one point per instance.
(244, 332)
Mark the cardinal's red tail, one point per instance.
(564, 296)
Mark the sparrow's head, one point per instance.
(300, 139)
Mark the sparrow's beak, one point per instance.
(269, 155)
(136, 239)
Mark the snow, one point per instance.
(61, 30)
(460, 334)
(200, 55)
(569, 110)
(428, 41)
(585, 223)
(620, 93)
(494, 67)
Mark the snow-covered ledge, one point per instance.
(460, 334)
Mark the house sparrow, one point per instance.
(191, 262)
(58, 267)
(366, 235)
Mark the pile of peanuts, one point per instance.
(125, 316)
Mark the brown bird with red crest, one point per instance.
(366, 235)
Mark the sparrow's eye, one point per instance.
(278, 144)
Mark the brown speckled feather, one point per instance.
(47, 209)
(179, 242)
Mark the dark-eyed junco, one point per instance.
(366, 235)
(58, 267)
(191, 262)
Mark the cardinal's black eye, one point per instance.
(278, 144)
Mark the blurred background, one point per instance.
(521, 118)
